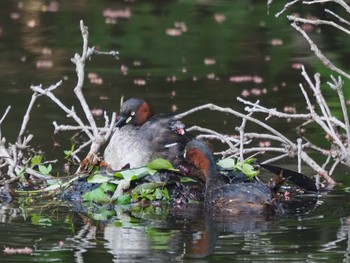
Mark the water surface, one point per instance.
(177, 54)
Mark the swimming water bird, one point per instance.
(143, 136)
(229, 199)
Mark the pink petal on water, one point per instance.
(209, 61)
(116, 13)
(15, 251)
(96, 112)
(15, 15)
(245, 93)
(44, 64)
(173, 32)
(140, 82)
(276, 42)
(46, 51)
(124, 69)
(219, 18)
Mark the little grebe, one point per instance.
(143, 136)
(229, 199)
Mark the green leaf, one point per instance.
(21, 173)
(124, 200)
(102, 214)
(36, 160)
(40, 220)
(161, 194)
(107, 187)
(68, 153)
(96, 195)
(147, 186)
(98, 179)
(160, 164)
(247, 169)
(45, 169)
(228, 163)
(186, 179)
(132, 174)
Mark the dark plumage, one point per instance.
(229, 199)
(143, 136)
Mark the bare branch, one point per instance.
(317, 51)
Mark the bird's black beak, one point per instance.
(121, 121)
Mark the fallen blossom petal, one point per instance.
(118, 13)
(239, 79)
(44, 64)
(46, 51)
(173, 108)
(97, 81)
(137, 63)
(255, 91)
(124, 70)
(264, 144)
(307, 27)
(104, 97)
(245, 93)
(209, 61)
(219, 18)
(171, 79)
(31, 23)
(15, 251)
(290, 109)
(173, 94)
(173, 32)
(92, 75)
(297, 65)
(211, 76)
(276, 42)
(96, 112)
(15, 15)
(140, 82)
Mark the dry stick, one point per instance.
(286, 6)
(275, 159)
(299, 143)
(219, 135)
(318, 120)
(79, 62)
(241, 132)
(70, 112)
(340, 2)
(97, 140)
(252, 135)
(273, 111)
(211, 106)
(334, 166)
(316, 50)
(316, 88)
(337, 16)
(338, 86)
(26, 118)
(319, 22)
(309, 161)
(5, 114)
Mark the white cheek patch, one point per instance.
(128, 119)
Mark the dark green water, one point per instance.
(177, 54)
